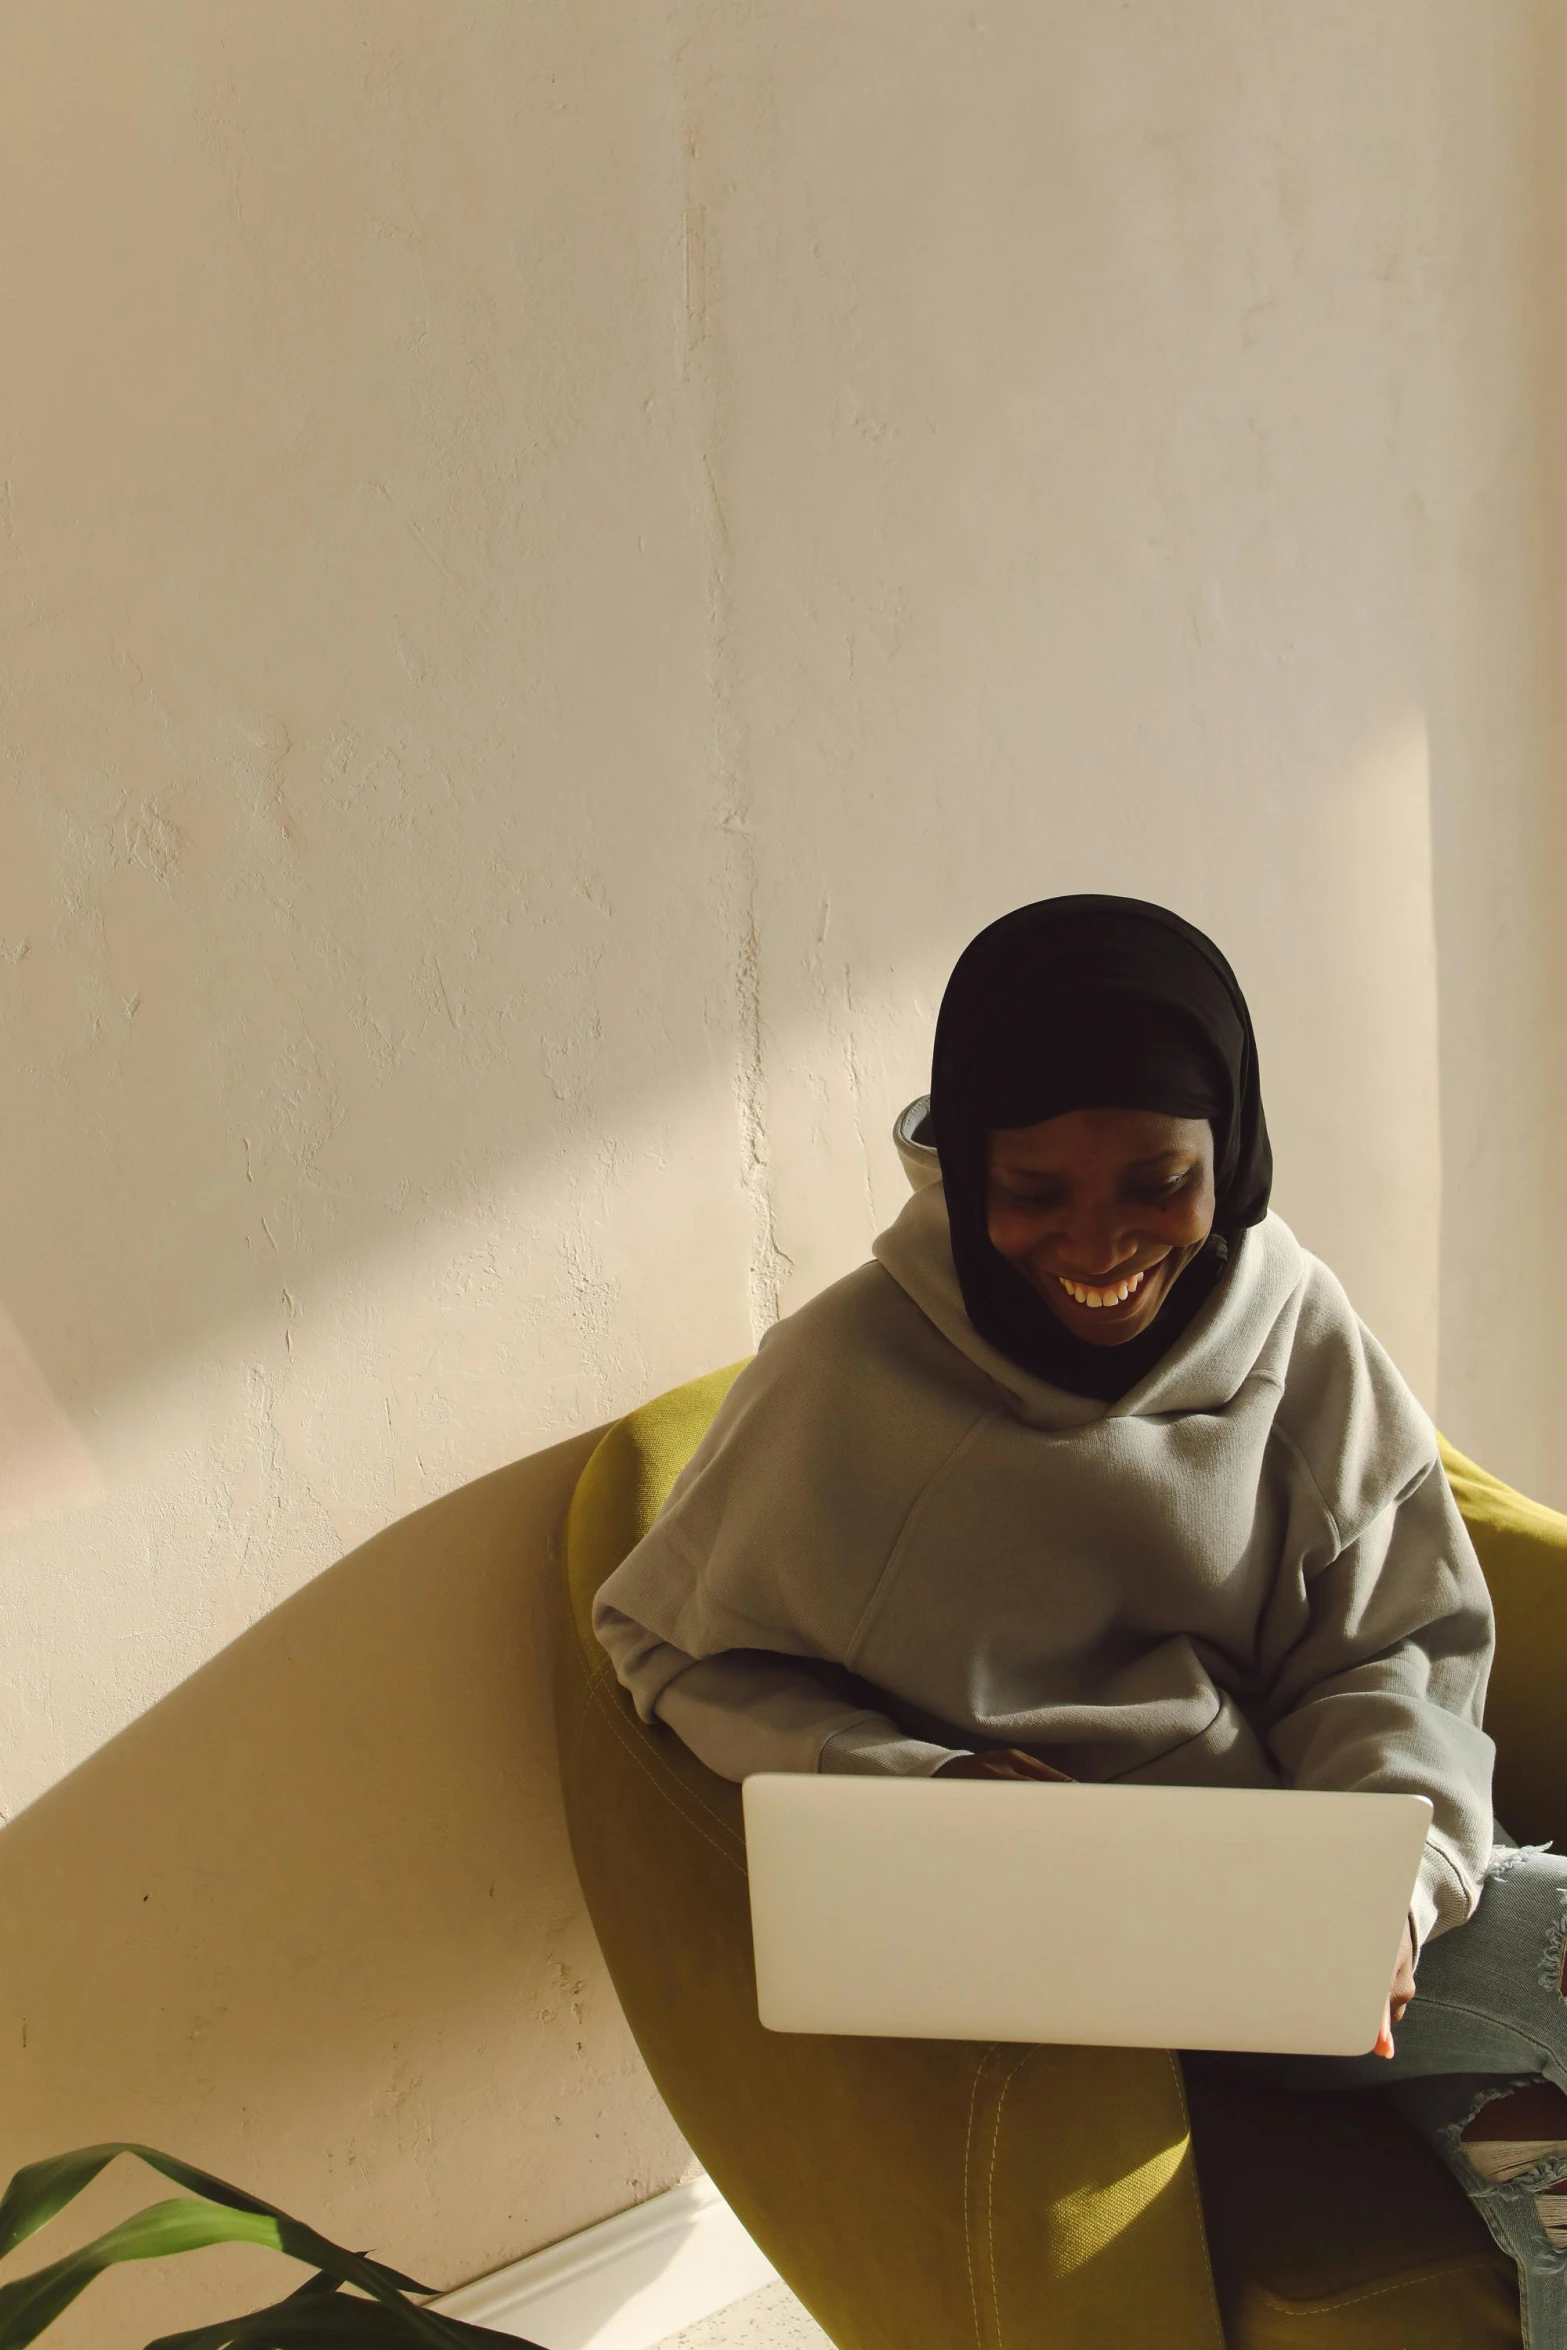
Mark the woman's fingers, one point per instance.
(1010, 1762)
(1001, 1762)
(1402, 1992)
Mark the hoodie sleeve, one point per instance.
(734, 1618)
(1382, 1684)
(746, 1710)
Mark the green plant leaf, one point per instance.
(334, 2321)
(212, 2337)
(44, 2188)
(180, 2225)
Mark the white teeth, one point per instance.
(1095, 1299)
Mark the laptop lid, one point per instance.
(1143, 1917)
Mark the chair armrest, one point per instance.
(1522, 1547)
(626, 1483)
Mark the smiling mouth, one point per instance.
(1115, 1293)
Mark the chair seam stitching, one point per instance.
(675, 1804)
(1375, 2292)
(590, 1694)
(631, 1748)
(585, 1705)
(990, 2189)
(602, 1677)
(968, 2232)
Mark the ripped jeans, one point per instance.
(1481, 2070)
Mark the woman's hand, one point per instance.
(1005, 1762)
(1401, 1994)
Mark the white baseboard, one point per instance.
(627, 2283)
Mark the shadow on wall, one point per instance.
(313, 1922)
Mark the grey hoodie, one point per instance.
(894, 1546)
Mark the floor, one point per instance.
(769, 2320)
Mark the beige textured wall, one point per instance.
(557, 562)
(1499, 715)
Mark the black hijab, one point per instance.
(1083, 1003)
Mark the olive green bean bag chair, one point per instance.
(942, 2195)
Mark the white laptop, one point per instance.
(1136, 1917)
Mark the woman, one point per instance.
(1093, 1473)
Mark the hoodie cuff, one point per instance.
(873, 1746)
(1440, 1900)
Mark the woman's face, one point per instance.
(1102, 1210)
